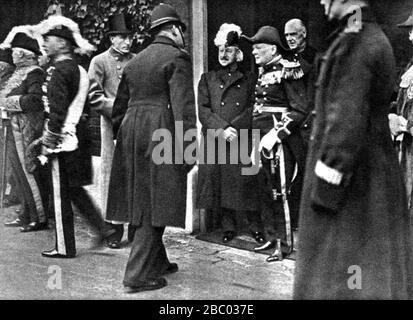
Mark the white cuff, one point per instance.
(328, 174)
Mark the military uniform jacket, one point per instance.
(353, 208)
(225, 99)
(283, 89)
(156, 92)
(60, 89)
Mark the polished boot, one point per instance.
(172, 268)
(258, 237)
(34, 226)
(228, 236)
(152, 284)
(277, 255)
(15, 223)
(54, 254)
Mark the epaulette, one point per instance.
(291, 70)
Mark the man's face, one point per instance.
(122, 42)
(295, 36)
(51, 45)
(179, 39)
(263, 53)
(227, 55)
(17, 55)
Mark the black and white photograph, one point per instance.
(206, 150)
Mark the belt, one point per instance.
(269, 109)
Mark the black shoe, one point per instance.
(172, 268)
(276, 256)
(113, 244)
(54, 254)
(147, 285)
(228, 236)
(34, 226)
(265, 246)
(131, 232)
(15, 223)
(259, 237)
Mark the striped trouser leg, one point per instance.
(65, 232)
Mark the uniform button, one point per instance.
(120, 77)
(117, 58)
(118, 67)
(256, 85)
(237, 104)
(222, 103)
(266, 85)
(229, 74)
(264, 93)
(221, 86)
(255, 92)
(265, 99)
(239, 86)
(306, 126)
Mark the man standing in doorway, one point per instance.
(105, 72)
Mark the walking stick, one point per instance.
(4, 118)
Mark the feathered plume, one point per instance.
(84, 47)
(226, 34)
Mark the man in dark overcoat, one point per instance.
(105, 72)
(279, 109)
(225, 99)
(354, 240)
(155, 96)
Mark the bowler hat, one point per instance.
(117, 25)
(22, 40)
(408, 23)
(5, 56)
(165, 13)
(62, 31)
(268, 35)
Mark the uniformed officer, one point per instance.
(280, 107)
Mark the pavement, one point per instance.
(206, 270)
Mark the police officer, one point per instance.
(280, 107)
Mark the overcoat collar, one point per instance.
(118, 55)
(227, 81)
(165, 40)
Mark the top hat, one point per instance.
(117, 25)
(5, 56)
(268, 35)
(408, 23)
(165, 13)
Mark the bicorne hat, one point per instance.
(22, 37)
(268, 35)
(165, 13)
(117, 25)
(408, 23)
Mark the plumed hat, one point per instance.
(65, 28)
(408, 23)
(228, 35)
(268, 35)
(23, 37)
(165, 13)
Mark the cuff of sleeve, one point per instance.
(13, 104)
(283, 133)
(326, 197)
(108, 108)
(51, 139)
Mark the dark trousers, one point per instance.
(277, 222)
(63, 196)
(229, 220)
(147, 258)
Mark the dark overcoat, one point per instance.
(354, 234)
(156, 92)
(225, 99)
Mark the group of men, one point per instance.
(353, 209)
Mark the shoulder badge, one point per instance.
(291, 70)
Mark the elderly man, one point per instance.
(225, 99)
(401, 120)
(279, 109)
(355, 236)
(155, 95)
(105, 72)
